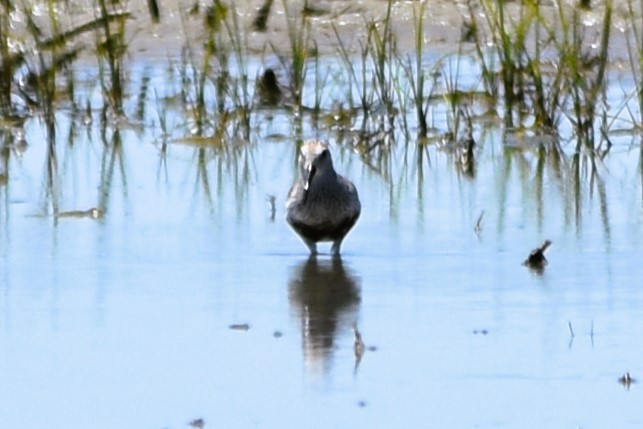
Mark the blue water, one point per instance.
(124, 321)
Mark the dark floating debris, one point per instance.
(626, 380)
(277, 334)
(536, 259)
(480, 331)
(361, 403)
(197, 423)
(239, 326)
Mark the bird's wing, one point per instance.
(295, 194)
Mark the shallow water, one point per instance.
(138, 319)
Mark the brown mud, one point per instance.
(182, 22)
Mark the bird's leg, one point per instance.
(312, 246)
(334, 250)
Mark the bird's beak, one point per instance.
(311, 173)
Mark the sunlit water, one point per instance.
(125, 321)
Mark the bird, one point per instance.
(321, 205)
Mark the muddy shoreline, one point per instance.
(182, 23)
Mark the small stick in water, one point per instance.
(626, 380)
(478, 228)
(359, 343)
(358, 346)
(239, 326)
(273, 210)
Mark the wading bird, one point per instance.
(321, 205)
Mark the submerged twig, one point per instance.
(571, 334)
(478, 227)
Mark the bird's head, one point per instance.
(315, 162)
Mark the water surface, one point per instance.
(125, 320)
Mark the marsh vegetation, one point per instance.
(542, 75)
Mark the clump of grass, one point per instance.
(381, 81)
(383, 52)
(299, 37)
(414, 72)
(585, 74)
(454, 97)
(215, 17)
(376, 78)
(9, 61)
(197, 75)
(510, 42)
(111, 48)
(515, 64)
(635, 54)
(240, 86)
(32, 75)
(489, 76)
(523, 45)
(357, 77)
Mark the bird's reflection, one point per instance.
(325, 297)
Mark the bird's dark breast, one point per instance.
(323, 231)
